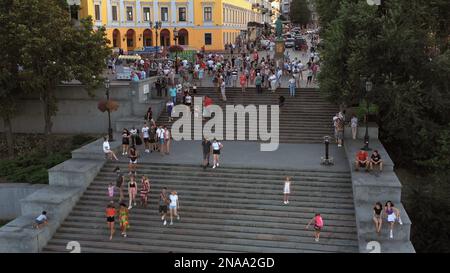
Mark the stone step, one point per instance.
(339, 223)
(208, 176)
(250, 197)
(197, 244)
(161, 234)
(117, 246)
(198, 225)
(228, 209)
(241, 170)
(390, 246)
(300, 191)
(301, 207)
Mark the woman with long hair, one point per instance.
(123, 219)
(377, 210)
(216, 147)
(174, 206)
(125, 141)
(110, 214)
(145, 189)
(132, 191)
(392, 214)
(133, 160)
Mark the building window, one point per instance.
(114, 13)
(146, 14)
(207, 14)
(74, 12)
(164, 14)
(129, 13)
(182, 14)
(97, 12)
(129, 42)
(208, 39)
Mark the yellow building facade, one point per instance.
(208, 23)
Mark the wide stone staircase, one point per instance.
(305, 118)
(227, 209)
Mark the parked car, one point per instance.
(300, 43)
(289, 42)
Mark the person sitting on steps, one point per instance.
(375, 160)
(362, 160)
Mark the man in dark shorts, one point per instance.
(375, 160)
(362, 160)
(163, 203)
(206, 145)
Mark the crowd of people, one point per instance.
(238, 67)
(167, 202)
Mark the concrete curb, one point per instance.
(369, 189)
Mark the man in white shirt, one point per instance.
(273, 82)
(188, 99)
(279, 74)
(146, 137)
(335, 120)
(160, 134)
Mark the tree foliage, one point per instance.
(403, 48)
(49, 49)
(299, 12)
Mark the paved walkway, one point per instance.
(248, 154)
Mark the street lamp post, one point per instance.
(368, 89)
(175, 38)
(156, 27)
(110, 131)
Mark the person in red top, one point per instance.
(362, 160)
(110, 213)
(206, 102)
(243, 81)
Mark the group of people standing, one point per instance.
(166, 201)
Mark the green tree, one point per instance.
(299, 12)
(57, 51)
(11, 76)
(403, 48)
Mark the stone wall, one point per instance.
(77, 110)
(10, 196)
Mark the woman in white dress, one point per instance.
(287, 189)
(174, 206)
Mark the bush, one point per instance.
(80, 140)
(31, 166)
